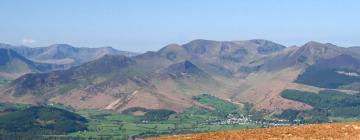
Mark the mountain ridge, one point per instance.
(238, 71)
(64, 53)
(13, 65)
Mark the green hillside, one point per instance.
(39, 120)
(326, 105)
(326, 78)
(221, 107)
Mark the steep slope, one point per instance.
(326, 105)
(13, 65)
(166, 79)
(278, 72)
(354, 51)
(41, 83)
(254, 71)
(222, 57)
(313, 51)
(111, 82)
(303, 56)
(64, 53)
(338, 72)
(185, 69)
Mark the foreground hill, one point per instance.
(64, 53)
(343, 131)
(39, 120)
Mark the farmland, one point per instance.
(143, 123)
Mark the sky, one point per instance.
(148, 25)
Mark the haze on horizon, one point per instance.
(140, 25)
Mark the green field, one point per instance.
(221, 107)
(328, 106)
(193, 120)
(103, 124)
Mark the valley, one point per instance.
(141, 122)
(183, 70)
(198, 87)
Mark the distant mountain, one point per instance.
(231, 51)
(64, 53)
(13, 65)
(250, 71)
(75, 76)
(222, 57)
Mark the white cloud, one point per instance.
(28, 41)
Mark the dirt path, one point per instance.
(334, 131)
(113, 104)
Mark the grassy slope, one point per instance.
(326, 78)
(221, 107)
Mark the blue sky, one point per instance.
(143, 25)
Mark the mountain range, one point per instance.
(13, 65)
(250, 71)
(64, 53)
(19, 60)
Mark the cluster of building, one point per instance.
(235, 119)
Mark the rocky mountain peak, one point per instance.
(185, 68)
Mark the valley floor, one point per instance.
(329, 131)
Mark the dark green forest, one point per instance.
(326, 103)
(40, 120)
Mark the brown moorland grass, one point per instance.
(329, 131)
